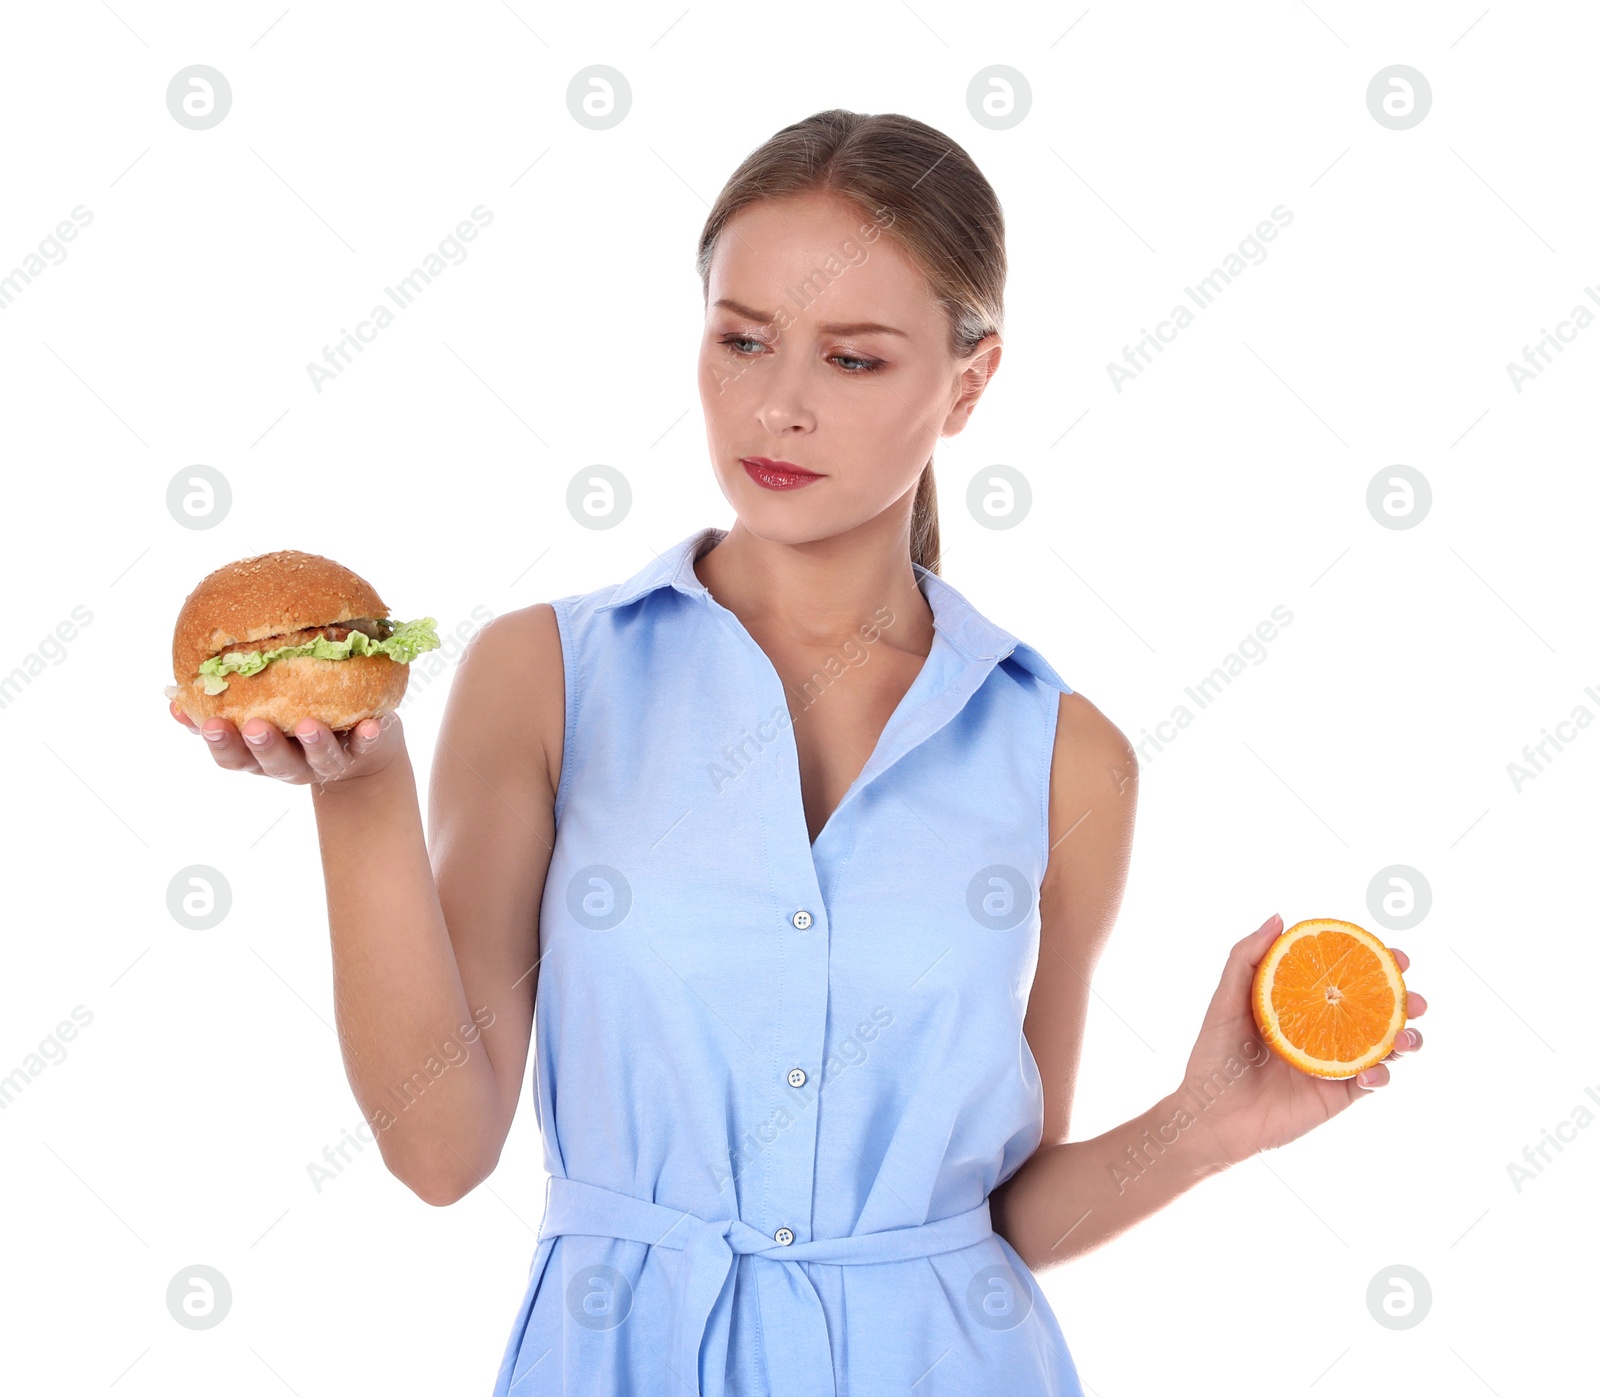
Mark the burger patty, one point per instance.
(375, 627)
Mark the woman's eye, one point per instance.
(852, 364)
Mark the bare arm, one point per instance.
(492, 831)
(435, 960)
(1069, 1198)
(1235, 1098)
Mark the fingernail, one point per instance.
(311, 736)
(256, 738)
(1364, 1079)
(214, 734)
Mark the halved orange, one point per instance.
(1328, 998)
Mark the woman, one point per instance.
(808, 861)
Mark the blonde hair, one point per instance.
(942, 213)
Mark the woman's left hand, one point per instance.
(1268, 1103)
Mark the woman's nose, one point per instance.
(785, 402)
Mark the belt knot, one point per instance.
(709, 1247)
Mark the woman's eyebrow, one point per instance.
(862, 327)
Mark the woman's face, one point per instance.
(824, 349)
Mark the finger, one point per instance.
(1401, 958)
(370, 734)
(1243, 957)
(367, 733)
(353, 746)
(323, 752)
(228, 749)
(1375, 1076)
(1416, 1005)
(181, 716)
(364, 738)
(274, 753)
(1408, 1040)
(1255, 945)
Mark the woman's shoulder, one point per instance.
(1086, 738)
(512, 678)
(518, 645)
(1093, 767)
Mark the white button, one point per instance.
(785, 1236)
(797, 1077)
(801, 919)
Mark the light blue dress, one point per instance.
(777, 1081)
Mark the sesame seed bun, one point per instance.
(276, 594)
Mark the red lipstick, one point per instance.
(777, 475)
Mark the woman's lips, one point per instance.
(776, 475)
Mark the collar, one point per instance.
(955, 619)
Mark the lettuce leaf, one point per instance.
(404, 644)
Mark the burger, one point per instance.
(290, 635)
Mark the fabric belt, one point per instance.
(805, 1368)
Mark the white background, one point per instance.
(1170, 519)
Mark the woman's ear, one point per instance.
(980, 365)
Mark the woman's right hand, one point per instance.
(315, 755)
